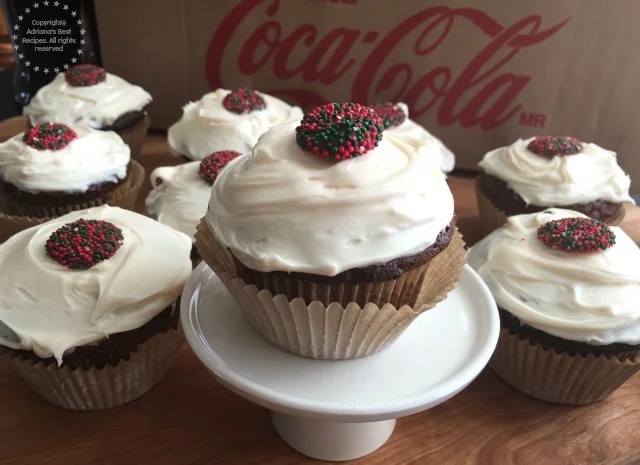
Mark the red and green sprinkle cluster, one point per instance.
(211, 165)
(85, 75)
(244, 101)
(339, 131)
(391, 114)
(49, 136)
(550, 146)
(84, 243)
(583, 235)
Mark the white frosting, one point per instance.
(179, 197)
(96, 106)
(281, 208)
(53, 309)
(94, 157)
(590, 297)
(207, 127)
(561, 180)
(418, 137)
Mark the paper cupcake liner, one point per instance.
(123, 197)
(331, 330)
(134, 136)
(491, 217)
(108, 387)
(558, 377)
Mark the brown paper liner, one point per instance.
(560, 378)
(134, 136)
(122, 197)
(108, 387)
(330, 330)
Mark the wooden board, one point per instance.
(191, 419)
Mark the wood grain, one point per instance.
(190, 419)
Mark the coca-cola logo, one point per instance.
(482, 94)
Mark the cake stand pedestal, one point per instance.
(342, 410)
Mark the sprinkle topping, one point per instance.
(85, 75)
(391, 114)
(84, 243)
(550, 146)
(49, 136)
(244, 101)
(583, 235)
(339, 131)
(212, 164)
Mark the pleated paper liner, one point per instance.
(558, 377)
(107, 387)
(125, 197)
(330, 330)
(134, 136)
(492, 218)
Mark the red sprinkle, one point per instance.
(550, 146)
(339, 131)
(244, 101)
(85, 75)
(211, 165)
(584, 235)
(391, 114)
(49, 136)
(84, 243)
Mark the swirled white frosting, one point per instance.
(96, 106)
(279, 208)
(179, 197)
(207, 127)
(593, 174)
(590, 297)
(52, 309)
(94, 157)
(418, 137)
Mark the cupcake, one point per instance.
(534, 174)
(89, 96)
(344, 234)
(53, 169)
(88, 311)
(395, 118)
(180, 194)
(226, 120)
(568, 288)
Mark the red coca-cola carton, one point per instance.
(477, 73)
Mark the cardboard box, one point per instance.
(478, 74)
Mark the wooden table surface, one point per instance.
(191, 419)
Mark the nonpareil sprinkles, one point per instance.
(584, 235)
(244, 101)
(84, 243)
(390, 113)
(339, 131)
(550, 146)
(49, 136)
(211, 165)
(85, 75)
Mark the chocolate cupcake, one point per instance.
(395, 118)
(568, 288)
(88, 312)
(534, 174)
(180, 194)
(53, 169)
(88, 95)
(345, 234)
(227, 120)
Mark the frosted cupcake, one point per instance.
(87, 95)
(395, 118)
(226, 120)
(89, 308)
(568, 288)
(534, 174)
(181, 193)
(351, 230)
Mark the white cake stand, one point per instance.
(342, 410)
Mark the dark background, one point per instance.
(8, 107)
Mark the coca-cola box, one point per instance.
(477, 73)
